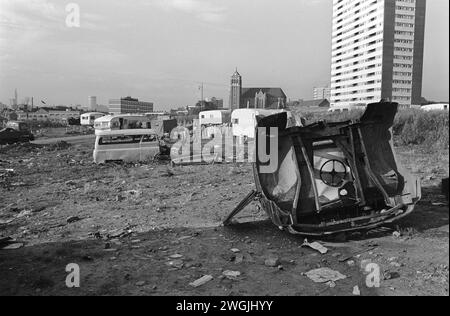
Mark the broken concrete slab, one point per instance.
(272, 262)
(324, 275)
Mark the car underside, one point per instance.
(334, 177)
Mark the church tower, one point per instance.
(236, 91)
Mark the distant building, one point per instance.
(320, 93)
(235, 91)
(3, 106)
(129, 105)
(92, 103)
(255, 98)
(263, 98)
(53, 115)
(377, 51)
(217, 103)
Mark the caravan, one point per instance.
(88, 119)
(244, 120)
(218, 117)
(119, 122)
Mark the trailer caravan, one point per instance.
(218, 117)
(88, 119)
(244, 120)
(119, 122)
(435, 107)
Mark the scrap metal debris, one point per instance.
(13, 246)
(316, 246)
(232, 275)
(356, 291)
(202, 281)
(333, 177)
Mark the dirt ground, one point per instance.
(150, 229)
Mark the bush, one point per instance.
(416, 127)
(411, 126)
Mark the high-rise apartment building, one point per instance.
(320, 93)
(92, 103)
(377, 51)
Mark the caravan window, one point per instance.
(114, 140)
(235, 121)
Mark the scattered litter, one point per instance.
(232, 275)
(176, 256)
(316, 246)
(396, 234)
(331, 284)
(356, 291)
(239, 258)
(18, 184)
(73, 219)
(6, 221)
(392, 259)
(272, 262)
(144, 257)
(71, 183)
(439, 204)
(203, 280)
(118, 233)
(324, 275)
(396, 264)
(388, 275)
(358, 254)
(13, 246)
(178, 264)
(140, 283)
(351, 263)
(235, 250)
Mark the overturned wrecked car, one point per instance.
(334, 177)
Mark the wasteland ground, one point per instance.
(150, 229)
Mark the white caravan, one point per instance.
(88, 119)
(244, 120)
(218, 117)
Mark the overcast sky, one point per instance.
(160, 50)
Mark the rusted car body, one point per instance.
(335, 177)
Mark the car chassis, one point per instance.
(334, 177)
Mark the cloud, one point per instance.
(203, 10)
(25, 14)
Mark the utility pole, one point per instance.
(202, 103)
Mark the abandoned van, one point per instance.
(214, 117)
(88, 119)
(244, 120)
(119, 122)
(131, 145)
